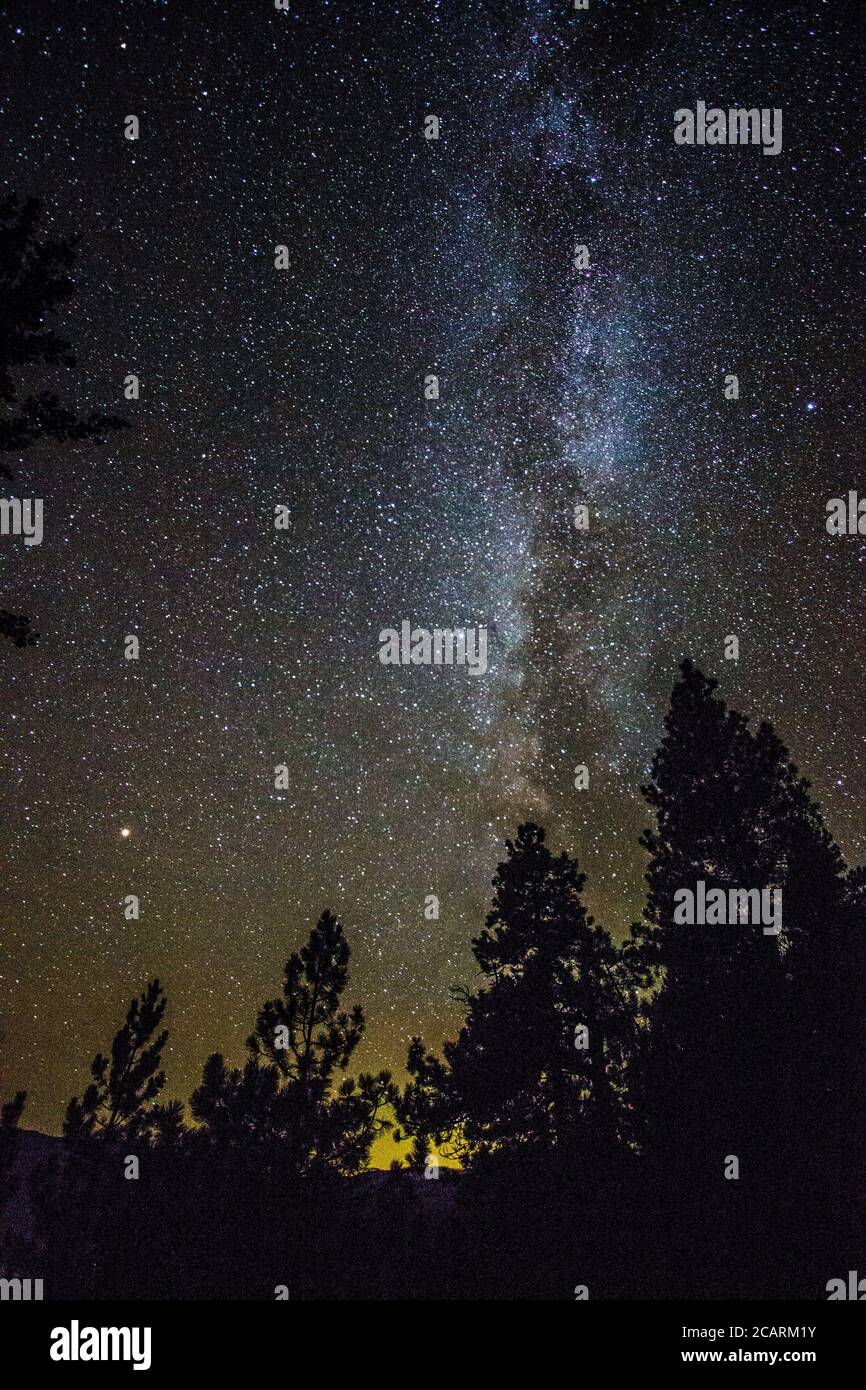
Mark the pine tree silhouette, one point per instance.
(743, 1055)
(89, 1224)
(287, 1092)
(541, 1059)
(714, 1024)
(124, 1084)
(36, 278)
(824, 1042)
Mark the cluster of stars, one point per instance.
(305, 387)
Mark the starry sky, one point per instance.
(305, 387)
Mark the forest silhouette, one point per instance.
(681, 1115)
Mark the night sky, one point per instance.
(305, 387)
